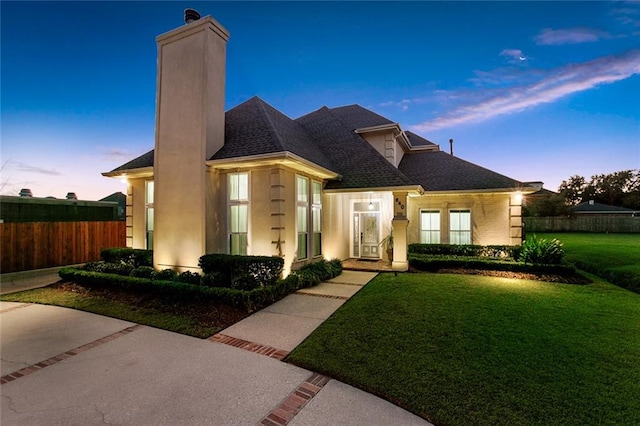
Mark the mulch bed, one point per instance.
(206, 313)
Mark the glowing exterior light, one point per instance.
(517, 198)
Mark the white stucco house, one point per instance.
(329, 184)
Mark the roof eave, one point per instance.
(523, 191)
(416, 189)
(141, 172)
(282, 157)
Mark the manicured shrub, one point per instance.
(213, 279)
(265, 269)
(165, 275)
(189, 277)
(142, 272)
(135, 257)
(436, 263)
(493, 251)
(540, 250)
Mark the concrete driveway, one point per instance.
(65, 367)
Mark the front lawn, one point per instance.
(461, 349)
(613, 256)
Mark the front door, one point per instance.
(366, 235)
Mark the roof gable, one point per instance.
(360, 165)
(417, 140)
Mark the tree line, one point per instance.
(620, 189)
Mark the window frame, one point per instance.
(302, 228)
(235, 203)
(438, 231)
(460, 232)
(316, 218)
(149, 210)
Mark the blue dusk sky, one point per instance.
(538, 91)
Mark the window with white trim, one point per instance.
(460, 227)
(430, 227)
(238, 213)
(302, 215)
(316, 215)
(149, 212)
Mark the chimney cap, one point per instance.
(71, 196)
(191, 15)
(25, 192)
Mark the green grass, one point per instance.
(618, 252)
(99, 305)
(459, 349)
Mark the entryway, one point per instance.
(365, 226)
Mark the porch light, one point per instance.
(517, 198)
(370, 205)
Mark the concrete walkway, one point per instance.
(61, 366)
(27, 280)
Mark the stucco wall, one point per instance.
(490, 222)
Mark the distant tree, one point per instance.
(617, 189)
(553, 205)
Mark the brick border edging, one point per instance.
(269, 351)
(326, 296)
(56, 359)
(295, 401)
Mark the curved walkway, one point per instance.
(61, 366)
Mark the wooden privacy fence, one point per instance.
(603, 224)
(35, 245)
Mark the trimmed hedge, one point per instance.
(493, 251)
(134, 257)
(436, 263)
(181, 291)
(623, 279)
(243, 272)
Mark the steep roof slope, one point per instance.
(417, 140)
(357, 117)
(145, 160)
(360, 165)
(439, 171)
(255, 127)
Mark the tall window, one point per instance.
(149, 207)
(238, 212)
(316, 214)
(430, 227)
(302, 215)
(460, 227)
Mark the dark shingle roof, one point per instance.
(587, 207)
(439, 171)
(326, 137)
(145, 160)
(417, 140)
(357, 117)
(360, 165)
(255, 127)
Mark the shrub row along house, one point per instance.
(333, 183)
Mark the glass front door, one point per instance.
(365, 241)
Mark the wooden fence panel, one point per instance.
(601, 224)
(34, 245)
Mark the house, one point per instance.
(592, 209)
(120, 199)
(332, 183)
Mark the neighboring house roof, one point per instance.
(439, 171)
(593, 207)
(327, 138)
(116, 197)
(360, 165)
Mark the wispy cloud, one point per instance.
(576, 35)
(514, 56)
(23, 167)
(549, 87)
(115, 154)
(403, 104)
